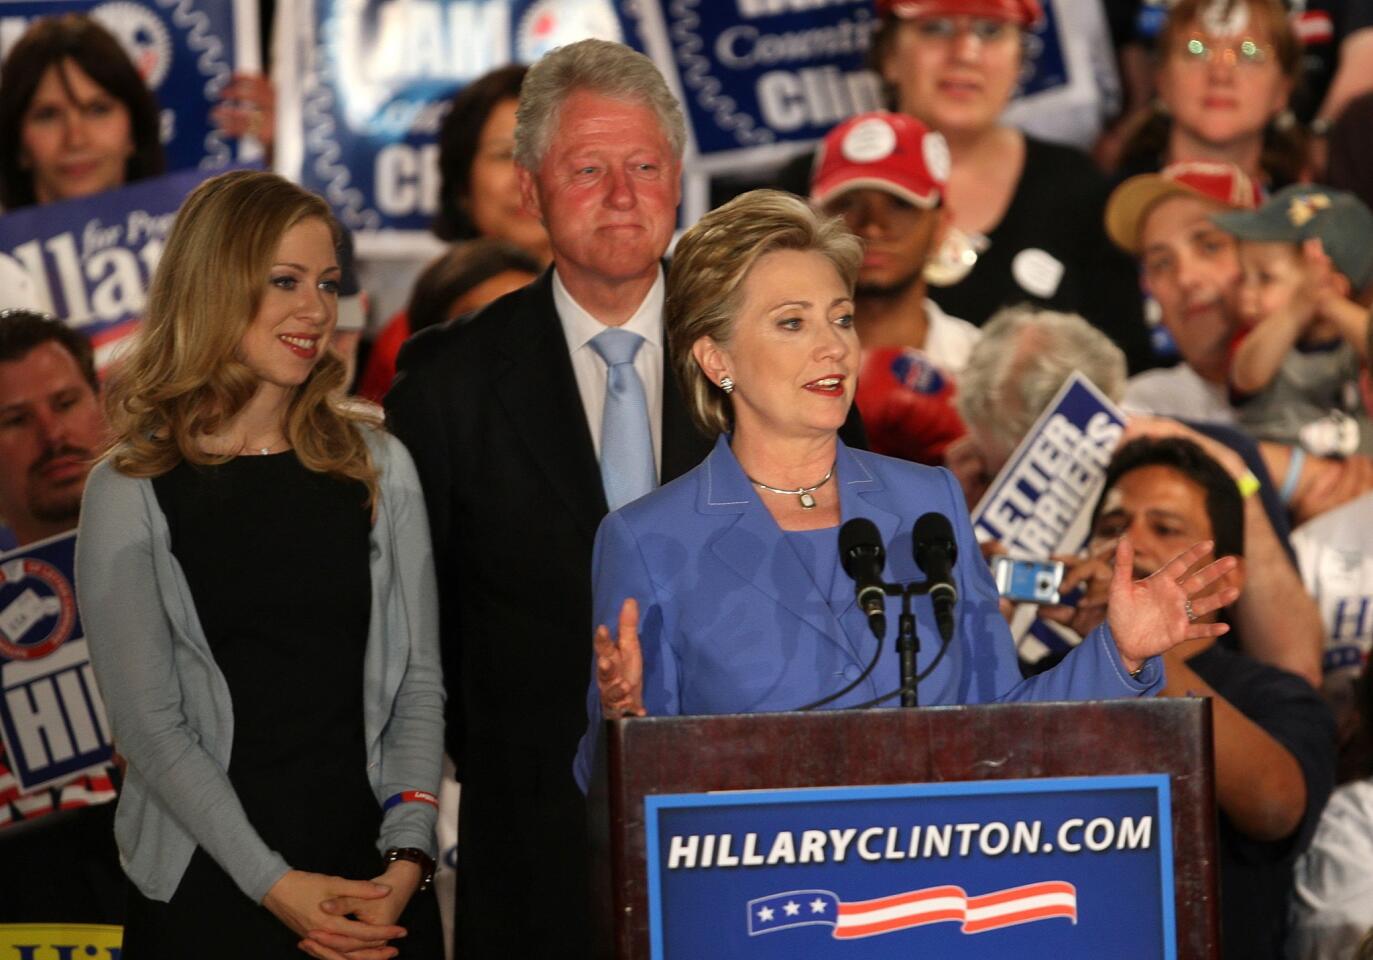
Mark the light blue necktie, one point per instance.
(627, 469)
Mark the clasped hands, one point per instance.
(340, 919)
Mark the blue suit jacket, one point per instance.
(731, 620)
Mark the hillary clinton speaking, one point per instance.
(726, 585)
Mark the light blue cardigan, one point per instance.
(169, 705)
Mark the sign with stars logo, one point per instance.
(52, 720)
(986, 869)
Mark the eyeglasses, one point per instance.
(1246, 53)
(945, 29)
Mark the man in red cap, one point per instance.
(1192, 270)
(884, 174)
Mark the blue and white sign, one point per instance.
(91, 259)
(51, 716)
(1025, 868)
(1040, 502)
(186, 50)
(363, 87)
(757, 78)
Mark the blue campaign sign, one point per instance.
(51, 716)
(1013, 868)
(1046, 66)
(756, 75)
(364, 86)
(91, 258)
(186, 51)
(1039, 504)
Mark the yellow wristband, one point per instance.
(1248, 484)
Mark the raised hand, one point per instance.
(620, 665)
(1167, 607)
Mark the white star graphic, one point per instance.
(817, 906)
(792, 908)
(765, 914)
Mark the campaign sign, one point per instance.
(60, 941)
(91, 258)
(992, 869)
(1046, 67)
(364, 86)
(1040, 502)
(186, 50)
(51, 716)
(756, 75)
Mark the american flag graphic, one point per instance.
(1032, 902)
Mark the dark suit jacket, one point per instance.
(491, 414)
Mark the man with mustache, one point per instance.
(1273, 737)
(52, 426)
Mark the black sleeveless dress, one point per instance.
(277, 559)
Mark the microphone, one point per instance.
(860, 551)
(935, 553)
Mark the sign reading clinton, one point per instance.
(186, 51)
(52, 719)
(1011, 868)
(757, 75)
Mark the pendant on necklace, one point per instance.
(807, 501)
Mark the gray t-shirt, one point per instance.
(1313, 400)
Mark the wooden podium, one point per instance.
(651, 757)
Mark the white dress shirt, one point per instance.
(579, 327)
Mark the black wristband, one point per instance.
(414, 855)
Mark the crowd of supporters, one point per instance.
(1204, 258)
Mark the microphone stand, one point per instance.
(907, 639)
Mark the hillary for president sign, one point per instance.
(91, 259)
(52, 719)
(186, 51)
(1068, 868)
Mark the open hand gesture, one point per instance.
(1157, 613)
(620, 665)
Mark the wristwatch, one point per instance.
(414, 855)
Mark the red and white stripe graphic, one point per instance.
(990, 911)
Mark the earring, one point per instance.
(727, 384)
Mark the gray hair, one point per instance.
(610, 69)
(1023, 359)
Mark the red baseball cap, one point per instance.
(1027, 13)
(1224, 183)
(891, 152)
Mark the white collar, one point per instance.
(580, 327)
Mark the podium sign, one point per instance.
(1058, 830)
(977, 869)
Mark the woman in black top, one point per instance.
(1030, 211)
(256, 582)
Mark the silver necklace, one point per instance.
(801, 493)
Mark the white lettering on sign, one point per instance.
(815, 96)
(407, 179)
(419, 39)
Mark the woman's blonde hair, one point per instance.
(183, 379)
(708, 270)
